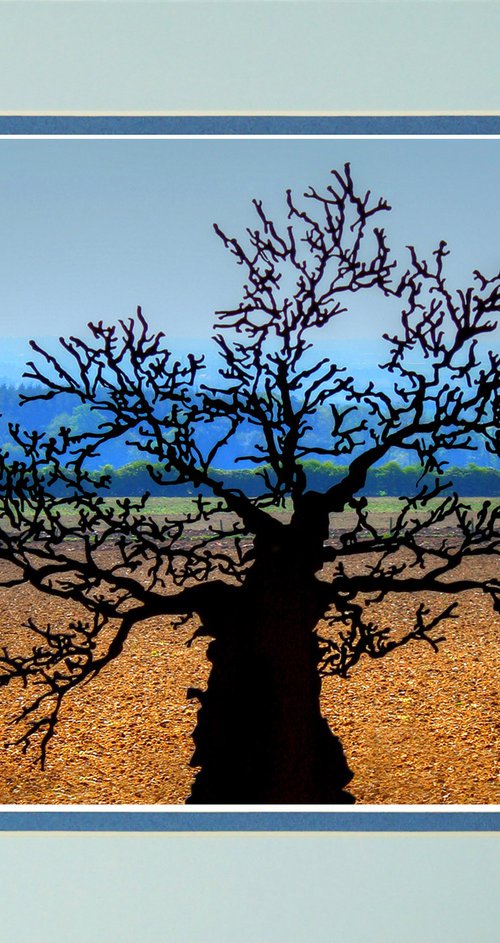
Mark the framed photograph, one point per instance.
(249, 469)
(134, 654)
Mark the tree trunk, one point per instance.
(260, 736)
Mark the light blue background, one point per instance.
(374, 56)
(255, 888)
(274, 56)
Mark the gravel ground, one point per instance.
(417, 727)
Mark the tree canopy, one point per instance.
(262, 589)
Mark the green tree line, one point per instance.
(133, 479)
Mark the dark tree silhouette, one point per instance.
(283, 593)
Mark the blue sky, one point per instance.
(89, 229)
(251, 888)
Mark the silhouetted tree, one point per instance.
(285, 594)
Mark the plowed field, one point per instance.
(417, 727)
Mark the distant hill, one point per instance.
(360, 358)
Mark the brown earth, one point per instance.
(417, 727)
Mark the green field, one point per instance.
(177, 508)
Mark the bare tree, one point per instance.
(278, 594)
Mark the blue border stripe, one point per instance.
(447, 124)
(383, 821)
(106, 821)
